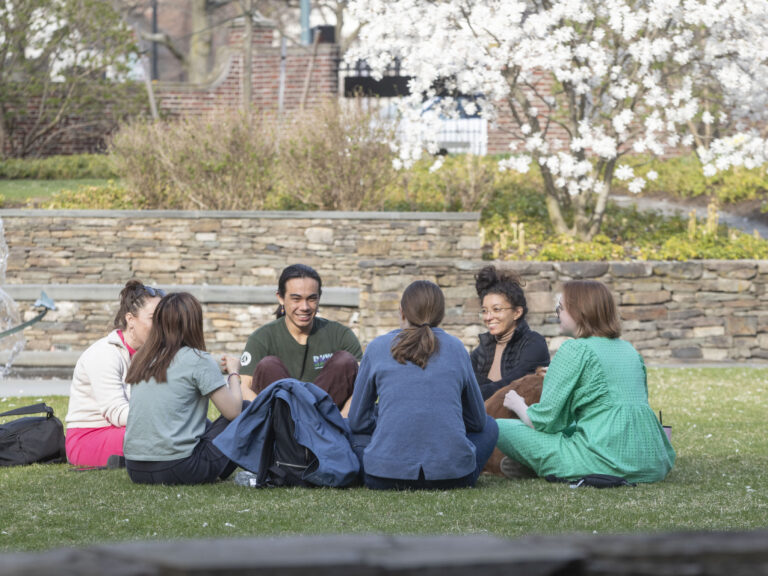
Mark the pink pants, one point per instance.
(93, 446)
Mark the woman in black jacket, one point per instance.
(510, 349)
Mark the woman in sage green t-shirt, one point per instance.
(168, 439)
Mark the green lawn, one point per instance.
(720, 482)
(17, 192)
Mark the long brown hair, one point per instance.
(591, 306)
(423, 305)
(177, 322)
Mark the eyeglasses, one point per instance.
(495, 312)
(159, 292)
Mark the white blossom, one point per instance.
(624, 172)
(636, 185)
(634, 68)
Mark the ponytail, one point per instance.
(423, 306)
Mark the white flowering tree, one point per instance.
(584, 82)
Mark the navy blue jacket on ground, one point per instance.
(319, 427)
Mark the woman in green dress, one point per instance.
(593, 416)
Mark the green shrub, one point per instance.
(464, 183)
(629, 226)
(109, 197)
(515, 227)
(565, 248)
(74, 167)
(732, 246)
(683, 177)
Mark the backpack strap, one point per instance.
(40, 408)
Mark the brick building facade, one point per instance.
(309, 74)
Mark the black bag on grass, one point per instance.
(283, 460)
(31, 439)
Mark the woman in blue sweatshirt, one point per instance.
(417, 409)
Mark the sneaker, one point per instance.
(115, 461)
(514, 470)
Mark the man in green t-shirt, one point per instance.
(300, 345)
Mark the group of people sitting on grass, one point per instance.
(414, 405)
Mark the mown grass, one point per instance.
(720, 482)
(20, 192)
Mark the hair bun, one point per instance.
(485, 279)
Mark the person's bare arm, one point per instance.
(245, 388)
(229, 399)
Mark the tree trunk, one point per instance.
(3, 136)
(553, 203)
(247, 6)
(602, 200)
(199, 43)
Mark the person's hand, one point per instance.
(513, 401)
(541, 370)
(230, 364)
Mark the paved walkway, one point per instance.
(33, 387)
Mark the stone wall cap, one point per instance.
(346, 554)
(246, 214)
(207, 294)
(341, 555)
(402, 263)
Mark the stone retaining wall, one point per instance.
(220, 248)
(672, 311)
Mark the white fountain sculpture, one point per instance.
(12, 344)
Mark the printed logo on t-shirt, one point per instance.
(245, 359)
(319, 360)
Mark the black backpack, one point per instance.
(32, 439)
(284, 462)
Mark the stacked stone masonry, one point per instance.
(671, 311)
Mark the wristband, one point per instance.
(232, 374)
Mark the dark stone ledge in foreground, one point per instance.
(704, 553)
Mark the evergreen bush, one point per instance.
(111, 196)
(74, 167)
